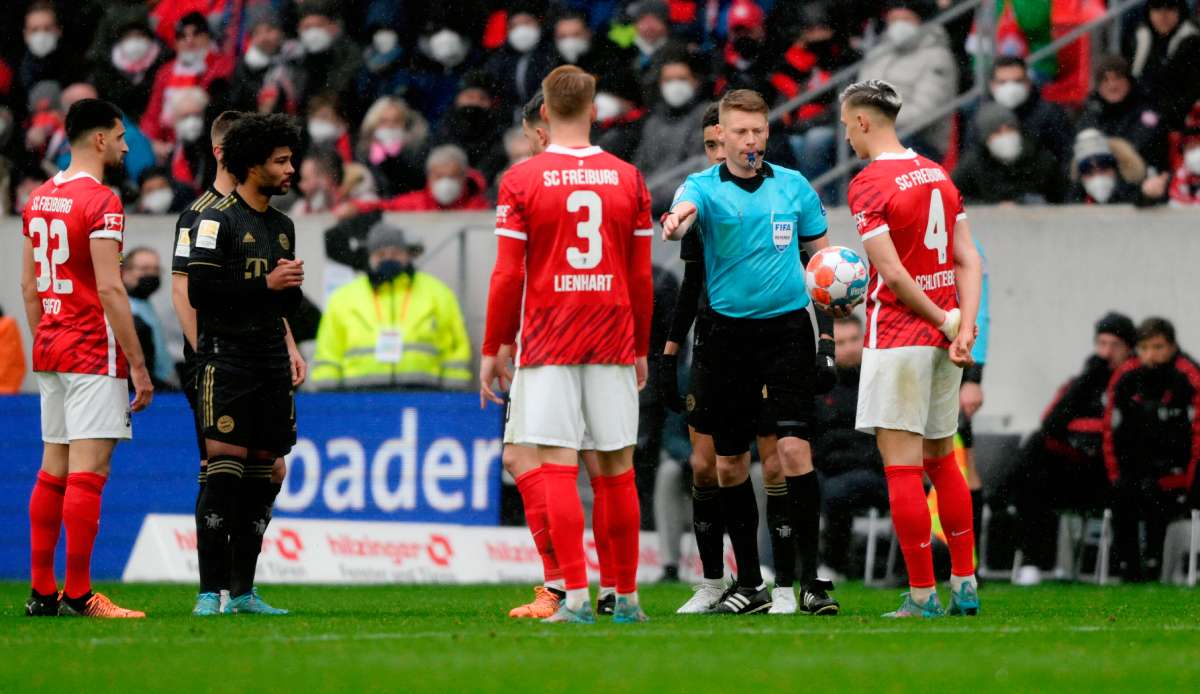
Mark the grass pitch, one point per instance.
(457, 638)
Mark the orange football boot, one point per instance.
(545, 604)
(100, 606)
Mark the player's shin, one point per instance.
(623, 521)
(709, 526)
(252, 515)
(215, 520)
(45, 523)
(601, 491)
(783, 538)
(910, 516)
(565, 515)
(81, 517)
(804, 493)
(955, 513)
(740, 510)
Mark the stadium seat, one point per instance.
(876, 526)
(1088, 531)
(1183, 536)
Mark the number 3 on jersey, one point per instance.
(588, 230)
(936, 238)
(48, 262)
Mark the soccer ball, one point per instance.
(836, 276)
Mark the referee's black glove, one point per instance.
(826, 368)
(668, 382)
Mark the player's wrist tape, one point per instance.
(949, 326)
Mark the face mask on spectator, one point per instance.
(1011, 94)
(447, 48)
(42, 43)
(134, 48)
(190, 128)
(901, 32)
(256, 58)
(385, 41)
(571, 47)
(321, 130)
(524, 37)
(316, 39)
(677, 92)
(158, 201)
(1005, 146)
(1100, 187)
(391, 137)
(446, 190)
(387, 270)
(193, 58)
(648, 47)
(1191, 160)
(146, 284)
(607, 106)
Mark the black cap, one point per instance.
(194, 20)
(1119, 325)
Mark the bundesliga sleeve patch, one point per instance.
(183, 247)
(114, 221)
(206, 234)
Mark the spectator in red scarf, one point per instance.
(197, 63)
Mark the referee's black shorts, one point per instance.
(757, 365)
(699, 397)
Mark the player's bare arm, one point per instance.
(883, 256)
(678, 221)
(968, 277)
(507, 286)
(106, 262)
(296, 360)
(33, 303)
(183, 308)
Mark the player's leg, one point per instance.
(97, 416)
(556, 427)
(953, 493)
(606, 598)
(708, 526)
(610, 411)
(892, 405)
(523, 464)
(779, 524)
(46, 499)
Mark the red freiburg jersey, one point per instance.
(62, 216)
(911, 199)
(575, 232)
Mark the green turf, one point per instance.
(456, 638)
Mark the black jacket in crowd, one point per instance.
(837, 447)
(1135, 119)
(1035, 177)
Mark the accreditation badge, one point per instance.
(389, 348)
(782, 232)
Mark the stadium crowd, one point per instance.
(416, 106)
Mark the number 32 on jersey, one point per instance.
(49, 261)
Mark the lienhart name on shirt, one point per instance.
(582, 283)
(920, 177)
(580, 177)
(46, 203)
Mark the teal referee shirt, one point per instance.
(752, 230)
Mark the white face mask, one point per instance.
(190, 128)
(42, 43)
(524, 37)
(677, 92)
(322, 131)
(607, 106)
(571, 47)
(158, 201)
(1100, 187)
(193, 58)
(648, 47)
(901, 32)
(1011, 94)
(1005, 146)
(390, 136)
(256, 58)
(134, 48)
(446, 190)
(316, 39)
(447, 48)
(385, 40)
(1191, 160)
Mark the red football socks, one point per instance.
(533, 493)
(45, 522)
(600, 532)
(565, 515)
(81, 515)
(623, 520)
(910, 517)
(954, 511)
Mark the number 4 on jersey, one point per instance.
(936, 238)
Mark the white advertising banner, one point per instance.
(363, 552)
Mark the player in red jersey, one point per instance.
(573, 275)
(922, 302)
(84, 349)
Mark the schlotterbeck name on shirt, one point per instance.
(937, 280)
(580, 177)
(920, 177)
(583, 283)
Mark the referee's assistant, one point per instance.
(755, 220)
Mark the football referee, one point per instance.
(243, 279)
(755, 220)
